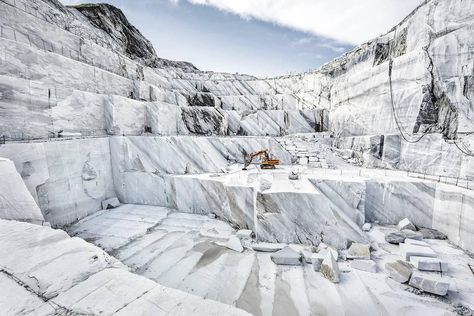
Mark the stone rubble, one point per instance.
(366, 227)
(407, 251)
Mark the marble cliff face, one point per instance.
(92, 117)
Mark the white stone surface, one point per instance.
(364, 265)
(76, 276)
(68, 179)
(175, 254)
(233, 243)
(16, 203)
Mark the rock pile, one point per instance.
(420, 267)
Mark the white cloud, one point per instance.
(350, 21)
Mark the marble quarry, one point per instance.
(122, 190)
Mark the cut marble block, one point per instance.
(430, 282)
(331, 250)
(268, 247)
(330, 269)
(286, 256)
(429, 264)
(399, 270)
(416, 242)
(358, 251)
(407, 251)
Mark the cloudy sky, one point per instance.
(260, 37)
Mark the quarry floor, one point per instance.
(182, 251)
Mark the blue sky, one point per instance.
(260, 37)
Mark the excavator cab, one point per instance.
(266, 162)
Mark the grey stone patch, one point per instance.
(364, 265)
(407, 251)
(406, 224)
(429, 282)
(429, 233)
(267, 247)
(286, 256)
(400, 236)
(358, 251)
(399, 270)
(110, 203)
(330, 269)
(429, 264)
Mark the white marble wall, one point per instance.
(16, 203)
(68, 179)
(453, 214)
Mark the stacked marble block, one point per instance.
(419, 266)
(304, 152)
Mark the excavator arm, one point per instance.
(265, 161)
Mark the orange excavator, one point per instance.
(266, 162)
